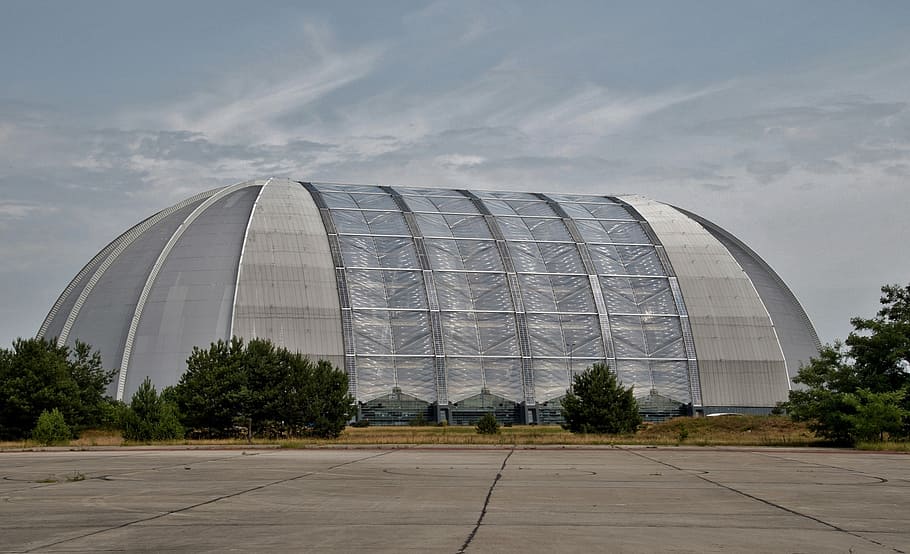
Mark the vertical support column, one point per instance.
(423, 259)
(344, 296)
(688, 339)
(521, 320)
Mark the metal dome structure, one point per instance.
(449, 301)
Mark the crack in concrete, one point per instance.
(486, 503)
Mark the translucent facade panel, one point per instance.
(663, 336)
(457, 204)
(636, 374)
(427, 191)
(191, 300)
(372, 333)
(386, 223)
(537, 293)
(375, 201)
(638, 295)
(465, 377)
(370, 288)
(443, 254)
(626, 232)
(592, 231)
(394, 332)
(609, 211)
(628, 337)
(350, 221)
(489, 291)
(499, 207)
(514, 228)
(497, 334)
(459, 331)
(526, 257)
(551, 378)
(417, 377)
(503, 377)
(375, 376)
(548, 229)
(573, 293)
(561, 257)
(587, 199)
(671, 379)
(545, 334)
(640, 260)
(358, 251)
(433, 225)
(452, 291)
(618, 295)
(505, 194)
(575, 211)
(411, 333)
(468, 226)
(396, 252)
(607, 260)
(480, 255)
(539, 208)
(419, 203)
(336, 200)
(582, 336)
(334, 187)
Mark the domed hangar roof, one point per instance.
(440, 294)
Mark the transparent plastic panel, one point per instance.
(366, 288)
(499, 207)
(468, 226)
(426, 191)
(503, 377)
(671, 379)
(514, 228)
(387, 223)
(433, 225)
(548, 229)
(397, 252)
(372, 333)
(420, 204)
(465, 377)
(592, 231)
(573, 293)
(663, 336)
(336, 200)
(490, 291)
(375, 201)
(628, 337)
(537, 293)
(619, 295)
(606, 259)
(335, 187)
(610, 211)
(641, 260)
(405, 289)
(453, 291)
(459, 331)
(350, 222)
(582, 336)
(561, 257)
(443, 254)
(635, 373)
(417, 377)
(575, 211)
(375, 377)
(480, 255)
(623, 232)
(505, 194)
(653, 295)
(526, 257)
(497, 334)
(545, 334)
(358, 251)
(458, 205)
(539, 208)
(411, 333)
(551, 378)
(583, 198)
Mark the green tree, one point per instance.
(36, 375)
(150, 417)
(51, 428)
(279, 392)
(598, 403)
(857, 390)
(487, 424)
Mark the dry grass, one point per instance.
(714, 431)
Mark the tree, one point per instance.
(151, 417)
(598, 403)
(487, 424)
(37, 375)
(262, 386)
(51, 428)
(857, 390)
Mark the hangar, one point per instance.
(445, 303)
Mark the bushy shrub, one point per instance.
(598, 403)
(51, 428)
(487, 424)
(150, 417)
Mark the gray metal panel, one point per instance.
(104, 317)
(286, 286)
(739, 357)
(794, 329)
(190, 300)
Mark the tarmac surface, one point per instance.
(455, 500)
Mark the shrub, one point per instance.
(418, 421)
(598, 403)
(487, 424)
(51, 428)
(149, 417)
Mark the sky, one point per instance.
(787, 123)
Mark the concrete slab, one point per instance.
(432, 499)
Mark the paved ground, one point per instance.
(453, 500)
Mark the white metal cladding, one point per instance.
(192, 304)
(555, 247)
(794, 329)
(286, 287)
(739, 357)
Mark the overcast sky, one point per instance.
(787, 123)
